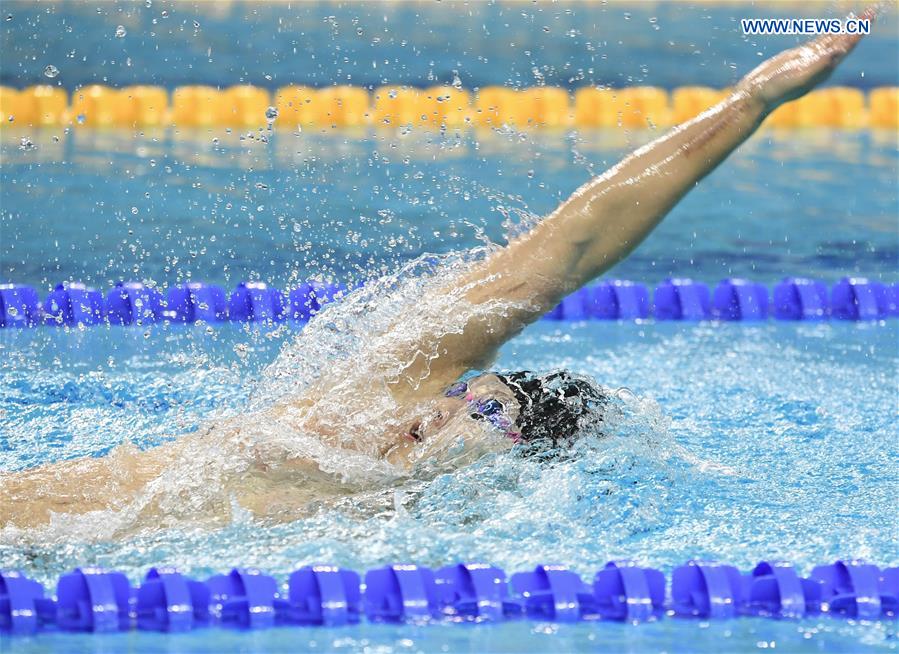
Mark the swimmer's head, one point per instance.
(554, 408)
(490, 412)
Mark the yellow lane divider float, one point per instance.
(395, 106)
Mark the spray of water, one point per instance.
(322, 414)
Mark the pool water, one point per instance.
(743, 442)
(352, 205)
(739, 442)
(369, 43)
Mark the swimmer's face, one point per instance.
(466, 420)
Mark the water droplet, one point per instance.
(8, 17)
(359, 31)
(80, 118)
(391, 94)
(271, 113)
(134, 211)
(627, 15)
(545, 28)
(148, 3)
(457, 81)
(120, 32)
(196, 24)
(26, 144)
(152, 163)
(51, 71)
(530, 174)
(260, 185)
(165, 13)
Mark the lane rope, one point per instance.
(98, 600)
(74, 304)
(295, 106)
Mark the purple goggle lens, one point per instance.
(457, 389)
(489, 410)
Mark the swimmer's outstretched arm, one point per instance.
(605, 219)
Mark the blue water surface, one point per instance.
(271, 44)
(775, 440)
(172, 206)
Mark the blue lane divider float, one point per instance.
(740, 299)
(197, 301)
(553, 592)
(93, 599)
(475, 591)
(97, 600)
(682, 299)
(856, 298)
(706, 590)
(322, 595)
(244, 598)
(23, 608)
(169, 601)
(135, 303)
(396, 593)
(256, 302)
(308, 298)
(797, 298)
(625, 591)
(619, 299)
(774, 589)
(73, 304)
(19, 306)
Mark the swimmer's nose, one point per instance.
(415, 431)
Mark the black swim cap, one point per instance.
(554, 408)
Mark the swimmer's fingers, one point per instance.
(837, 46)
(796, 71)
(832, 48)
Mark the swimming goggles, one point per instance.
(491, 410)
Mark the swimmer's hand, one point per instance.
(796, 71)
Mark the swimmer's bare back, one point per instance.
(596, 227)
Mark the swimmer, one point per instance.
(434, 402)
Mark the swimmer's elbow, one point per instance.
(608, 237)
